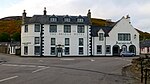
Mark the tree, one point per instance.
(4, 37)
(16, 36)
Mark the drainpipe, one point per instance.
(93, 46)
(105, 43)
(87, 41)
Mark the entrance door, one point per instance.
(132, 49)
(124, 48)
(116, 50)
(59, 52)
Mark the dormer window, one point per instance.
(66, 19)
(80, 20)
(101, 36)
(53, 19)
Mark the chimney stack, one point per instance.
(128, 18)
(89, 16)
(24, 16)
(45, 11)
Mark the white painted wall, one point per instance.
(27, 39)
(96, 42)
(60, 39)
(123, 26)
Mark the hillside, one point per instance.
(10, 29)
(143, 35)
(101, 22)
(12, 25)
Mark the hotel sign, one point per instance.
(123, 43)
(26, 43)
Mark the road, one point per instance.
(67, 70)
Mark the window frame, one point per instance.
(67, 50)
(36, 40)
(67, 41)
(81, 51)
(99, 49)
(26, 28)
(67, 28)
(37, 52)
(124, 37)
(53, 19)
(25, 50)
(80, 20)
(81, 41)
(67, 19)
(81, 29)
(53, 41)
(101, 36)
(53, 51)
(53, 28)
(37, 27)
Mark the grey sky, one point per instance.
(138, 10)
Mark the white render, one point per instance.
(122, 26)
(27, 39)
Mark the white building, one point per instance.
(53, 35)
(111, 39)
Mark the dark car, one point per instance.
(127, 53)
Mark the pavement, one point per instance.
(68, 70)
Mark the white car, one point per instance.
(127, 53)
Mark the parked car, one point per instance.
(127, 53)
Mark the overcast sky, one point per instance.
(138, 10)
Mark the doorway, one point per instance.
(124, 48)
(59, 52)
(116, 50)
(132, 49)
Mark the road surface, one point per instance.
(67, 70)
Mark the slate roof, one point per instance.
(45, 19)
(95, 29)
(97, 24)
(145, 43)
